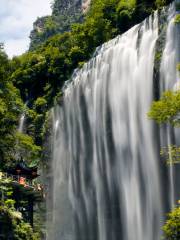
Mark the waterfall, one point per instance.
(108, 181)
(22, 119)
(21, 123)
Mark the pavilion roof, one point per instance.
(22, 169)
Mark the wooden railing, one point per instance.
(21, 181)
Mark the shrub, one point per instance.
(166, 109)
(171, 228)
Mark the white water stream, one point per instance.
(21, 123)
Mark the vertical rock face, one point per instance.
(64, 13)
(69, 6)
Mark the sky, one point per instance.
(16, 22)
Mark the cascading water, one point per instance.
(108, 181)
(22, 120)
(21, 123)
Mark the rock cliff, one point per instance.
(64, 13)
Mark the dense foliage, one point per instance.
(10, 107)
(12, 223)
(13, 227)
(167, 108)
(172, 227)
(13, 145)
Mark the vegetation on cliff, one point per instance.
(64, 14)
(166, 111)
(13, 224)
(172, 226)
(11, 106)
(13, 146)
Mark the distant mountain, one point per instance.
(64, 13)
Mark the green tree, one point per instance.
(166, 110)
(26, 149)
(10, 108)
(171, 228)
